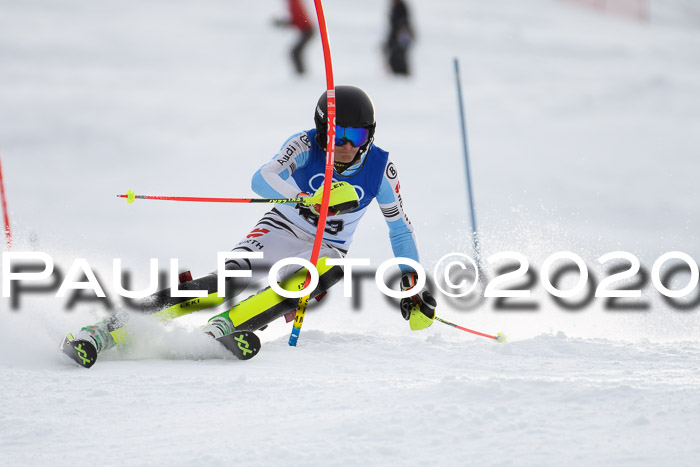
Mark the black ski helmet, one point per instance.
(353, 108)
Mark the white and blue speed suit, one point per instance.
(300, 166)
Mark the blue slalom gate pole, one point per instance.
(465, 147)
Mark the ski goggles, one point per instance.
(355, 136)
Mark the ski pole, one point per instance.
(131, 196)
(498, 337)
(328, 172)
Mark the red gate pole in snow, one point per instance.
(328, 174)
(8, 232)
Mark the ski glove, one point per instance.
(343, 199)
(419, 309)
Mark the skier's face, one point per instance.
(346, 152)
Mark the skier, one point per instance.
(362, 172)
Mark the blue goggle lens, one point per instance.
(355, 136)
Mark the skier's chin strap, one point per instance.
(341, 167)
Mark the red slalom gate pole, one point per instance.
(328, 174)
(6, 217)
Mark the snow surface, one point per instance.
(583, 132)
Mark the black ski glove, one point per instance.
(418, 309)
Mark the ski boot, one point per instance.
(84, 347)
(243, 344)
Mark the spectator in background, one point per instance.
(400, 38)
(299, 20)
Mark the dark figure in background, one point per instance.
(300, 20)
(400, 38)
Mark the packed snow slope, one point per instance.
(583, 137)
